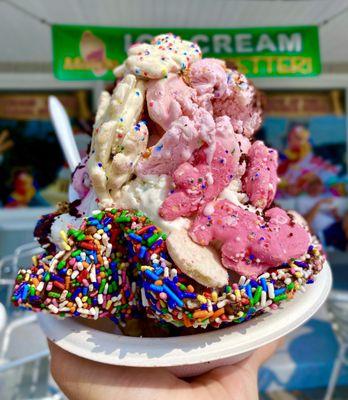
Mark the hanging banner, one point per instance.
(89, 52)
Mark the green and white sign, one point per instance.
(90, 52)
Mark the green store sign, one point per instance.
(90, 52)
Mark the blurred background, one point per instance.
(304, 86)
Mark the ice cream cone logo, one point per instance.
(93, 51)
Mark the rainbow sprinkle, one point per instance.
(117, 266)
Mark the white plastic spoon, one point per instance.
(64, 132)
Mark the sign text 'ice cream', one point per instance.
(85, 52)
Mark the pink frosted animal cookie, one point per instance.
(198, 183)
(260, 180)
(250, 244)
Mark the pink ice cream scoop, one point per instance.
(250, 243)
(168, 99)
(178, 143)
(208, 76)
(225, 134)
(198, 183)
(240, 103)
(209, 79)
(80, 179)
(175, 147)
(260, 180)
(205, 125)
(228, 138)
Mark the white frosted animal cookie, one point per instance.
(200, 263)
(166, 53)
(119, 138)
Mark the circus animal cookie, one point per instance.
(251, 244)
(166, 53)
(197, 184)
(119, 138)
(260, 180)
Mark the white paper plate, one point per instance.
(195, 354)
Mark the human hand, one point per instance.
(79, 378)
